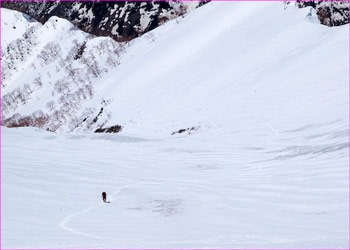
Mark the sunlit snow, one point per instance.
(261, 94)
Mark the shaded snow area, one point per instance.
(235, 134)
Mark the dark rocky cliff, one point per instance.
(125, 20)
(121, 20)
(330, 13)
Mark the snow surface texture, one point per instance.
(62, 79)
(261, 160)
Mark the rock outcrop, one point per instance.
(330, 13)
(121, 20)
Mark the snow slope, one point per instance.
(265, 165)
(14, 24)
(222, 69)
(193, 70)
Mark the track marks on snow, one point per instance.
(64, 222)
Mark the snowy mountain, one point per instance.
(233, 132)
(49, 70)
(121, 20)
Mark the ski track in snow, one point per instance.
(214, 239)
(119, 190)
(155, 180)
(64, 222)
(69, 217)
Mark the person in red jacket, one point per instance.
(104, 196)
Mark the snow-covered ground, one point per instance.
(289, 189)
(265, 165)
(14, 24)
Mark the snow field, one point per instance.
(173, 193)
(265, 167)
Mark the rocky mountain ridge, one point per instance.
(121, 20)
(330, 13)
(125, 20)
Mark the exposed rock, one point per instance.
(121, 20)
(189, 130)
(330, 13)
(113, 129)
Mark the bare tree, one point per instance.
(112, 61)
(50, 52)
(62, 86)
(28, 90)
(94, 69)
(38, 82)
(50, 106)
(39, 119)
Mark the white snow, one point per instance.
(145, 19)
(13, 25)
(266, 165)
(114, 30)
